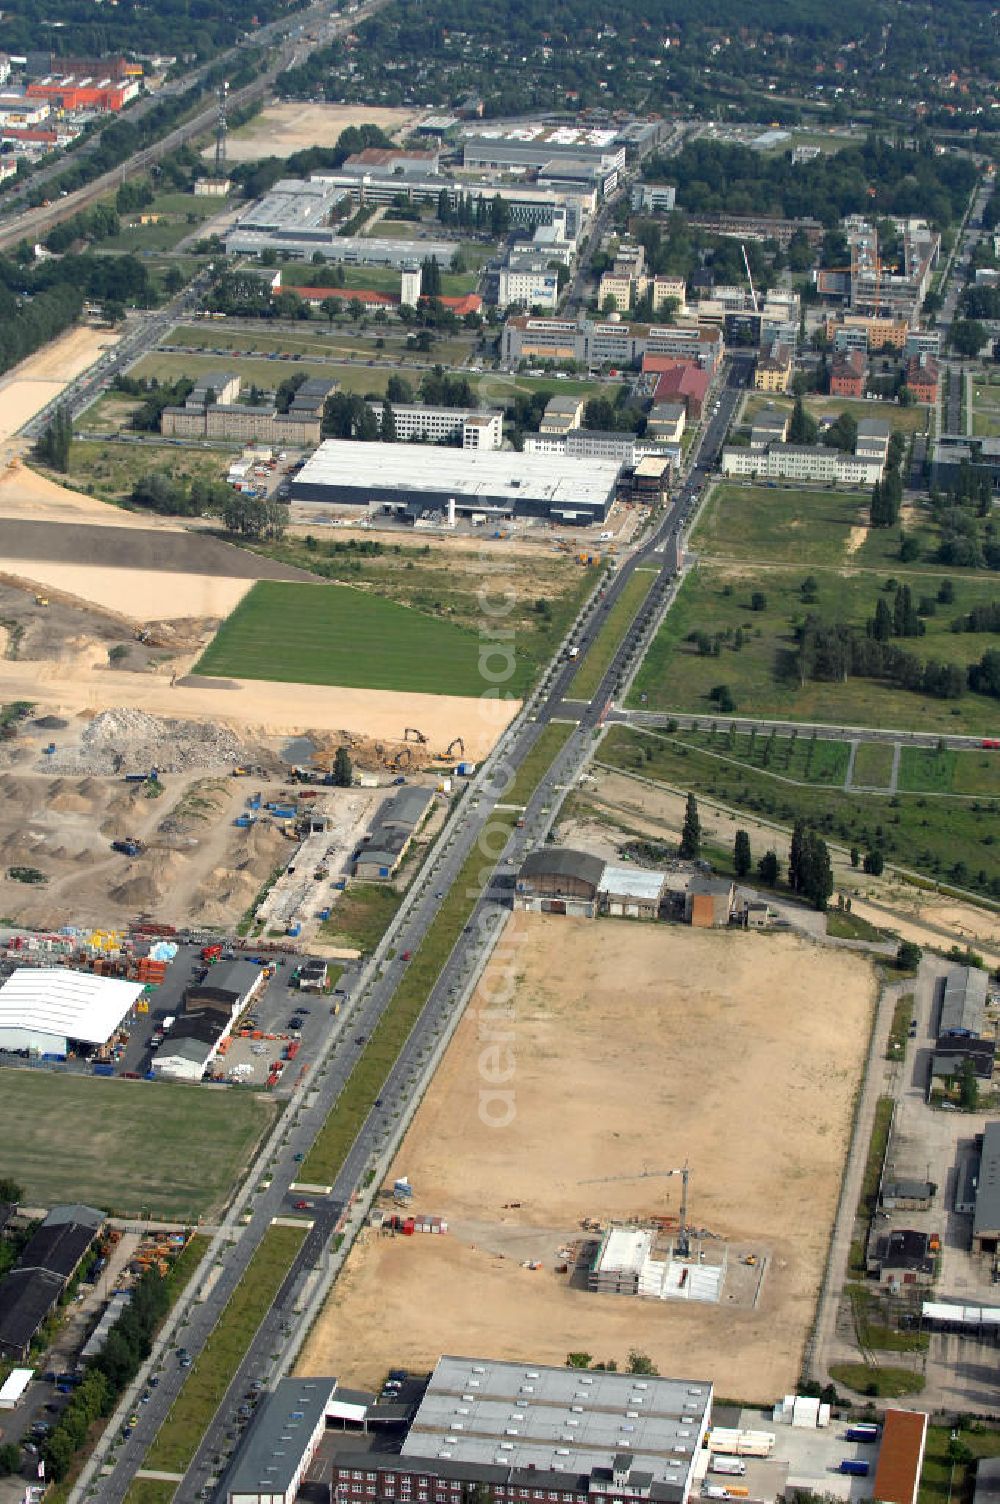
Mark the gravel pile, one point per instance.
(131, 741)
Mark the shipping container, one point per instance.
(732, 1465)
(862, 1432)
(855, 1467)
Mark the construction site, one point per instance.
(621, 1202)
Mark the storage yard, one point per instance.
(769, 1039)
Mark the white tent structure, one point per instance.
(46, 1009)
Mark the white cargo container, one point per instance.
(734, 1467)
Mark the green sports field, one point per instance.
(163, 1148)
(333, 634)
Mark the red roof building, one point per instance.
(900, 1457)
(371, 301)
(848, 374)
(922, 377)
(682, 382)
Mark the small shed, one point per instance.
(708, 903)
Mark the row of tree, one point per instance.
(128, 1344)
(810, 873)
(835, 651)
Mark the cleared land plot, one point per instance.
(331, 634)
(281, 129)
(172, 1151)
(873, 765)
(812, 527)
(138, 548)
(576, 1047)
(111, 468)
(26, 389)
(928, 835)
(760, 665)
(212, 1373)
(587, 679)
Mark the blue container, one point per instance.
(102, 1069)
(855, 1467)
(324, 913)
(862, 1432)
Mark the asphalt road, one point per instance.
(465, 830)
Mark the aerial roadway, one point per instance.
(373, 995)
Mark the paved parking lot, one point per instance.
(814, 1456)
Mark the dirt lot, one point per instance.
(281, 129)
(636, 1070)
(26, 494)
(44, 375)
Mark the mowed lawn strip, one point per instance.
(924, 834)
(587, 679)
(213, 1371)
(332, 634)
(553, 738)
(873, 765)
(127, 1145)
(150, 1491)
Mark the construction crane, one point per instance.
(683, 1231)
(746, 263)
(221, 129)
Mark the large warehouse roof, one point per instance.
(70, 1004)
(556, 1418)
(464, 473)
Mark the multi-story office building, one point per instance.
(435, 425)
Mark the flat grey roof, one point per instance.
(466, 473)
(964, 1000)
(986, 1217)
(279, 1435)
(292, 205)
(559, 1419)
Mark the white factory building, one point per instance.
(48, 1010)
(414, 480)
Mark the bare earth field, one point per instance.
(634, 1047)
(281, 129)
(142, 594)
(29, 386)
(26, 494)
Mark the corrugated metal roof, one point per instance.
(70, 1004)
(986, 1217)
(631, 882)
(563, 861)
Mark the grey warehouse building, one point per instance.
(485, 485)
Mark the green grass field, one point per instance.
(174, 1151)
(787, 525)
(333, 634)
(361, 915)
(924, 770)
(942, 838)
(212, 1373)
(802, 759)
(944, 1481)
(759, 665)
(110, 470)
(553, 738)
(873, 765)
(587, 679)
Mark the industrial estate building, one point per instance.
(282, 1441)
(48, 1262)
(211, 1008)
(51, 1011)
(379, 856)
(986, 1215)
(561, 880)
(297, 218)
(411, 479)
(512, 1430)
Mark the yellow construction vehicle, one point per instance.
(40, 600)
